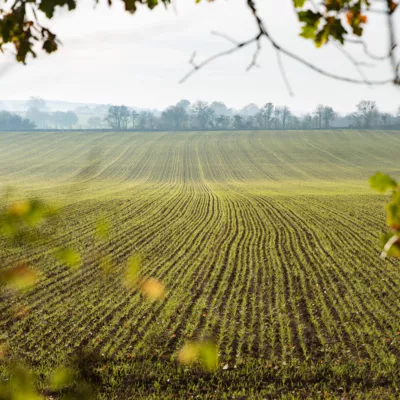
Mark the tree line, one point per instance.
(200, 115)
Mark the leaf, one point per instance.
(153, 289)
(208, 355)
(69, 257)
(188, 354)
(132, 270)
(299, 3)
(19, 208)
(20, 277)
(61, 378)
(102, 228)
(393, 215)
(382, 182)
(309, 17)
(49, 6)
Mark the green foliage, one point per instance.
(391, 240)
(69, 256)
(102, 228)
(328, 23)
(21, 386)
(21, 220)
(382, 182)
(61, 378)
(22, 30)
(203, 352)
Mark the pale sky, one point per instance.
(110, 56)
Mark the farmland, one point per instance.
(266, 241)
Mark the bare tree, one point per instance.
(368, 112)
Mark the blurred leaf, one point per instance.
(133, 270)
(20, 277)
(102, 228)
(153, 289)
(382, 182)
(69, 257)
(20, 208)
(188, 354)
(21, 386)
(61, 378)
(208, 355)
(390, 244)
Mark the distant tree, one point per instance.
(152, 122)
(368, 112)
(174, 117)
(95, 122)
(117, 117)
(286, 114)
(134, 118)
(184, 104)
(203, 115)
(220, 108)
(250, 122)
(36, 102)
(83, 110)
(268, 115)
(14, 121)
(142, 120)
(41, 119)
(70, 119)
(222, 121)
(319, 113)
(238, 121)
(265, 116)
(328, 115)
(249, 110)
(277, 118)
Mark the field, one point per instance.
(267, 242)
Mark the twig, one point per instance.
(262, 31)
(283, 73)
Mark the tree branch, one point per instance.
(263, 32)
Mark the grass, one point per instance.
(267, 243)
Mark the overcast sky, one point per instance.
(110, 56)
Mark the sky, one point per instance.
(110, 56)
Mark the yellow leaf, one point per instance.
(153, 289)
(19, 208)
(20, 277)
(188, 354)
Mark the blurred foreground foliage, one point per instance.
(337, 20)
(391, 239)
(28, 223)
